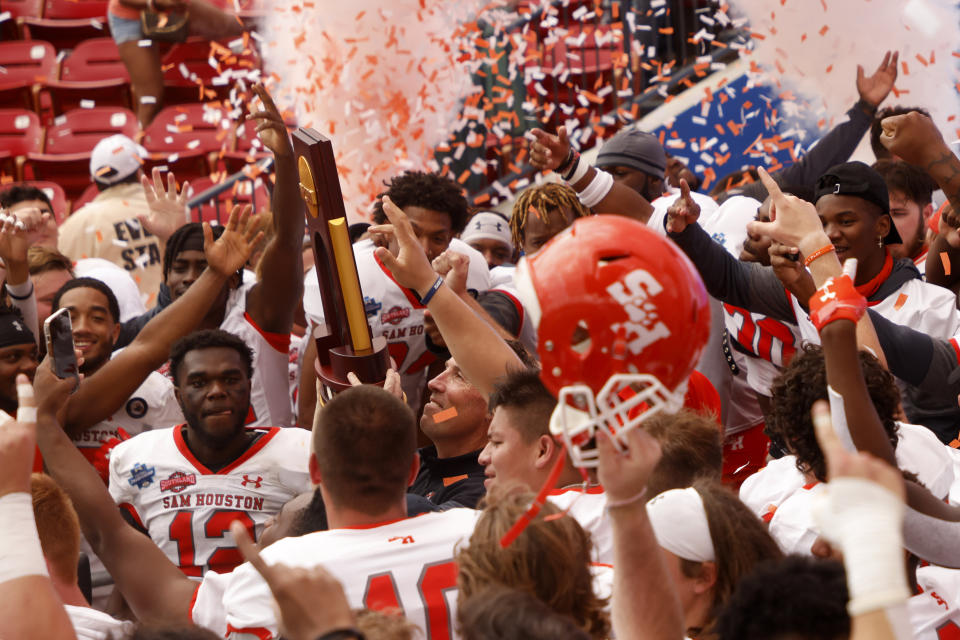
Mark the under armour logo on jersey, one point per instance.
(256, 482)
(402, 539)
(17, 325)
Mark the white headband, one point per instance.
(487, 225)
(680, 523)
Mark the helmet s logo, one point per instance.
(644, 326)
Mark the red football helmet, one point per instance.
(622, 317)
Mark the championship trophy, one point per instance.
(344, 342)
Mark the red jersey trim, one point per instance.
(410, 297)
(246, 455)
(193, 601)
(870, 287)
(956, 348)
(129, 508)
(518, 305)
(260, 632)
(279, 341)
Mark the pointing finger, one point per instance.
(249, 550)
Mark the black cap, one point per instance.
(859, 180)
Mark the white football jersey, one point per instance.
(187, 509)
(589, 509)
(152, 406)
(90, 624)
(916, 304)
(394, 312)
(766, 489)
(270, 389)
(935, 611)
(406, 564)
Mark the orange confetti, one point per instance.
(945, 259)
(901, 300)
(824, 29)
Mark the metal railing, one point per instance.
(236, 183)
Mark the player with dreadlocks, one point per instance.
(542, 212)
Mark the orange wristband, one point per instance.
(822, 251)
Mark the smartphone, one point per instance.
(58, 331)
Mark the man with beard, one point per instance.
(184, 485)
(911, 205)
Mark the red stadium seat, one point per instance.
(247, 149)
(63, 33)
(80, 130)
(9, 29)
(189, 77)
(70, 170)
(25, 63)
(91, 60)
(88, 194)
(57, 198)
(92, 73)
(20, 134)
(182, 137)
(74, 9)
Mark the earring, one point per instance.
(880, 241)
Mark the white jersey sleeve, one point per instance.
(187, 509)
(206, 609)
(270, 387)
(90, 624)
(935, 611)
(406, 565)
(766, 489)
(589, 509)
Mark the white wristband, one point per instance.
(20, 553)
(866, 522)
(581, 170)
(597, 190)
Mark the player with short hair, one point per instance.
(184, 485)
(911, 205)
(489, 233)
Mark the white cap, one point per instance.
(116, 158)
(488, 225)
(680, 524)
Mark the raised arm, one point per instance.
(838, 144)
(272, 302)
(29, 605)
(100, 395)
(481, 353)
(645, 602)
(550, 152)
(156, 590)
(742, 284)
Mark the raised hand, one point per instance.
(454, 267)
(793, 222)
(547, 151)
(410, 266)
(684, 211)
(168, 211)
(19, 231)
(624, 473)
(52, 392)
(788, 266)
(311, 601)
(914, 138)
(238, 242)
(391, 384)
(18, 441)
(270, 126)
(874, 89)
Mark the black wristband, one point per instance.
(348, 633)
(866, 107)
(566, 161)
